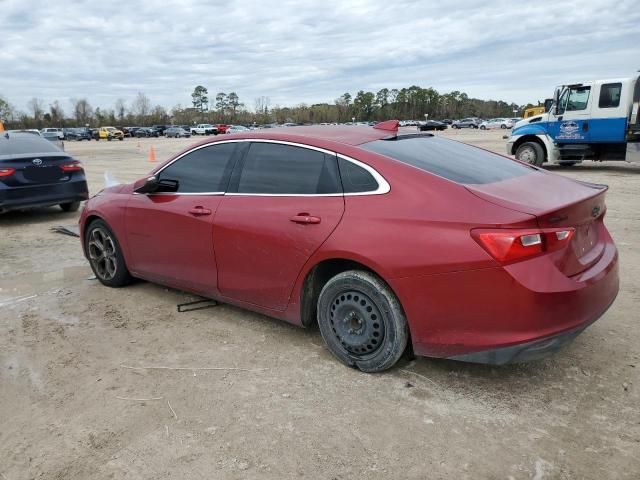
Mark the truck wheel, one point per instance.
(531, 153)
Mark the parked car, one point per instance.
(222, 127)
(160, 129)
(108, 133)
(237, 129)
(78, 134)
(58, 131)
(31, 131)
(125, 130)
(496, 123)
(34, 172)
(466, 123)
(146, 132)
(177, 132)
(447, 121)
(312, 224)
(53, 137)
(431, 125)
(204, 129)
(133, 130)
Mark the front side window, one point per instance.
(204, 170)
(610, 95)
(578, 98)
(277, 169)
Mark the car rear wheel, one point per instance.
(362, 321)
(482, 127)
(70, 206)
(531, 153)
(105, 255)
(503, 126)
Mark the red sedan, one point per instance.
(382, 239)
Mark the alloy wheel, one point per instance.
(102, 253)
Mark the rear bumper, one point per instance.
(524, 352)
(505, 314)
(42, 195)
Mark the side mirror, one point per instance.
(556, 101)
(146, 185)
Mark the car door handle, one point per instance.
(585, 127)
(304, 218)
(199, 211)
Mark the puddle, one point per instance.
(23, 287)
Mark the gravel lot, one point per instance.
(71, 406)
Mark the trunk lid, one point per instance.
(556, 202)
(39, 169)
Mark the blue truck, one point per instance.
(596, 120)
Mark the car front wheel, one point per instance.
(362, 321)
(105, 255)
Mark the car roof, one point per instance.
(345, 134)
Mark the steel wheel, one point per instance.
(356, 323)
(362, 321)
(102, 254)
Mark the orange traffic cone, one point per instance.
(152, 154)
(1, 126)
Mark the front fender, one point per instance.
(531, 129)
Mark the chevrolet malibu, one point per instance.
(386, 241)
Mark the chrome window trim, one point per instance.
(383, 185)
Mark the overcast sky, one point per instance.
(296, 51)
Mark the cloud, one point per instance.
(295, 52)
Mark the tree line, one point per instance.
(411, 103)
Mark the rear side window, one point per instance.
(205, 170)
(452, 160)
(277, 169)
(610, 95)
(356, 179)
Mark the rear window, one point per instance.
(24, 144)
(449, 159)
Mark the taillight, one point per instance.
(7, 171)
(71, 166)
(508, 246)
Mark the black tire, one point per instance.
(567, 164)
(482, 127)
(362, 321)
(121, 138)
(503, 126)
(107, 262)
(531, 153)
(70, 206)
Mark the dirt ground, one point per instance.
(77, 401)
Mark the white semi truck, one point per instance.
(597, 120)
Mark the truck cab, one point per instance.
(586, 121)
